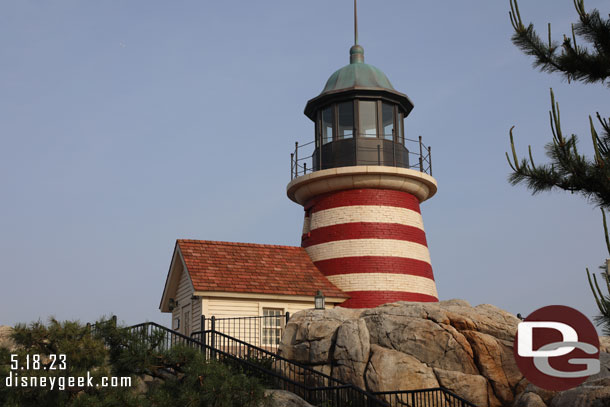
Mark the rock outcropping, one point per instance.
(404, 346)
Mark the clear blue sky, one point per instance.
(127, 125)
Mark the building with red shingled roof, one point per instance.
(227, 279)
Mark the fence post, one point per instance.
(291, 165)
(430, 158)
(202, 330)
(213, 334)
(421, 161)
(296, 159)
(287, 316)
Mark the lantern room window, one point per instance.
(346, 120)
(371, 119)
(387, 121)
(328, 119)
(367, 115)
(401, 130)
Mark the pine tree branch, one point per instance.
(574, 62)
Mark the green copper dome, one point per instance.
(357, 75)
(357, 80)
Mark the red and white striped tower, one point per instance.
(361, 189)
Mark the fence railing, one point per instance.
(315, 387)
(438, 397)
(278, 372)
(164, 337)
(264, 331)
(274, 371)
(308, 157)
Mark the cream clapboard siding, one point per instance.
(183, 296)
(196, 318)
(238, 307)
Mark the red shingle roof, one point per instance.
(253, 268)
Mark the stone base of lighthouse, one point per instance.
(363, 230)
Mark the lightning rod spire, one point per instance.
(355, 22)
(356, 52)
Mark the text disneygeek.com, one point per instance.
(54, 363)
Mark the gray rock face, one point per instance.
(437, 344)
(5, 337)
(474, 388)
(403, 346)
(594, 393)
(529, 400)
(390, 370)
(281, 398)
(351, 352)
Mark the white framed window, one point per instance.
(272, 326)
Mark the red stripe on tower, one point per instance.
(363, 230)
(371, 197)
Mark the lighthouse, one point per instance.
(361, 181)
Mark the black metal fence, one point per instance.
(307, 157)
(438, 397)
(264, 331)
(316, 387)
(277, 372)
(274, 371)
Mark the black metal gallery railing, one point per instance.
(308, 157)
(264, 331)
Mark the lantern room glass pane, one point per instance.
(367, 115)
(346, 120)
(387, 120)
(400, 132)
(327, 125)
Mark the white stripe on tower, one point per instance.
(368, 247)
(363, 213)
(384, 282)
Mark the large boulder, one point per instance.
(434, 343)
(313, 336)
(595, 393)
(529, 399)
(282, 398)
(391, 370)
(474, 388)
(405, 345)
(351, 352)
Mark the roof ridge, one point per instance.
(224, 243)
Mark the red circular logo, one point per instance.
(557, 348)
